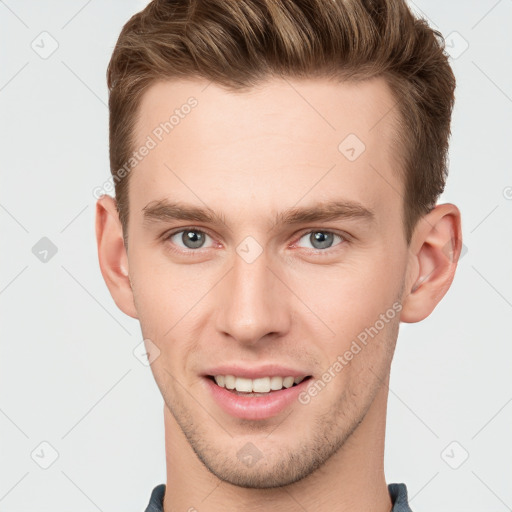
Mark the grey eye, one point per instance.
(321, 239)
(189, 238)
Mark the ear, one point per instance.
(434, 252)
(112, 254)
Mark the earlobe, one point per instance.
(112, 255)
(435, 249)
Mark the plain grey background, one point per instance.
(73, 396)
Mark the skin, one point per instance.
(249, 156)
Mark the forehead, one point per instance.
(280, 141)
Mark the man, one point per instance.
(277, 166)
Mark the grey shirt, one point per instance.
(397, 492)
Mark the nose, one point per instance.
(254, 302)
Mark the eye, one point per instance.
(320, 239)
(188, 238)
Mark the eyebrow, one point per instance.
(166, 211)
(331, 210)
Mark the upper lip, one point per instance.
(267, 370)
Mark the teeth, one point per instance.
(229, 381)
(243, 385)
(288, 382)
(276, 383)
(261, 385)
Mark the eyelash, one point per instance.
(192, 252)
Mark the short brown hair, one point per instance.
(239, 43)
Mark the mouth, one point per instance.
(254, 399)
(261, 387)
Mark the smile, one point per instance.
(260, 385)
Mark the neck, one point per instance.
(351, 480)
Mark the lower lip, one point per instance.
(254, 407)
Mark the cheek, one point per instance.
(349, 299)
(164, 292)
(168, 301)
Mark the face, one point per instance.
(302, 253)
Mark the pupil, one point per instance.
(321, 240)
(192, 239)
